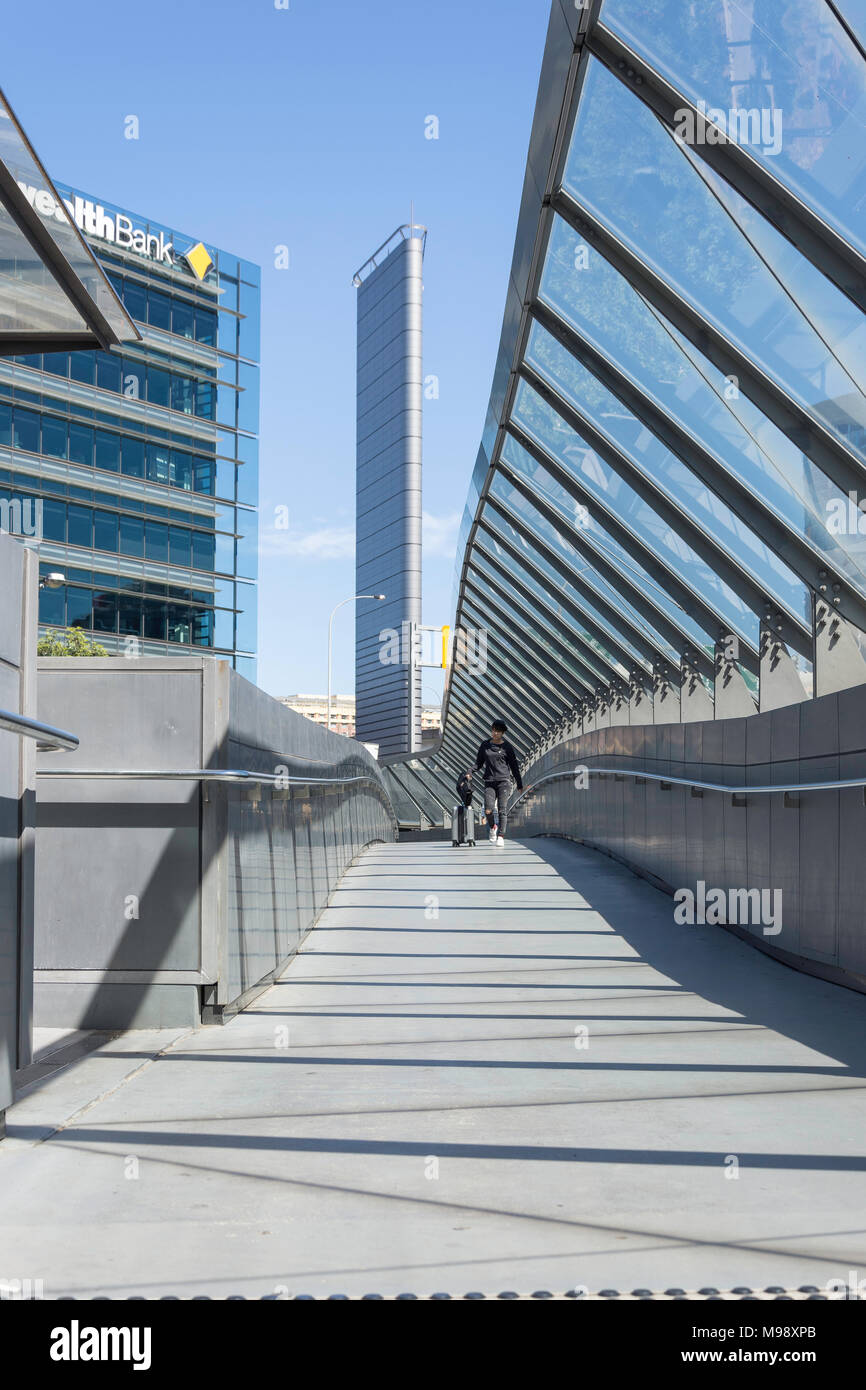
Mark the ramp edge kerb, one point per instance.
(774, 1293)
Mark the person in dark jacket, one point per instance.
(497, 761)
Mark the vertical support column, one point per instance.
(696, 704)
(640, 698)
(733, 699)
(619, 704)
(779, 683)
(666, 695)
(27, 808)
(214, 802)
(839, 648)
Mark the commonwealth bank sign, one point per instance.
(117, 228)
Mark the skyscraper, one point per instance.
(137, 468)
(388, 491)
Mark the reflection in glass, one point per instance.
(784, 79)
(629, 171)
(622, 502)
(610, 315)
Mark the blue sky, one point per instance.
(305, 127)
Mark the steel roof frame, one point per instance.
(789, 213)
(802, 558)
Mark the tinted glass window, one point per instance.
(132, 457)
(82, 367)
(107, 450)
(183, 319)
(156, 541)
(26, 430)
(108, 371)
(79, 605)
(159, 309)
(80, 525)
(135, 300)
(105, 530)
(206, 326)
(104, 612)
(131, 538)
(54, 437)
(158, 387)
(53, 520)
(158, 463)
(202, 551)
(81, 444)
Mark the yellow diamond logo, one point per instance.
(199, 259)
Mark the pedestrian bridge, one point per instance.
(486, 1070)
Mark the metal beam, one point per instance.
(555, 621)
(680, 593)
(525, 733)
(805, 432)
(542, 683)
(712, 551)
(566, 660)
(541, 699)
(798, 222)
(791, 546)
(648, 652)
(525, 712)
(653, 616)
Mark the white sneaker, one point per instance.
(492, 837)
(500, 840)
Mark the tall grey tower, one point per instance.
(388, 491)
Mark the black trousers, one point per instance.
(496, 798)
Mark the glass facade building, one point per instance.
(135, 470)
(388, 492)
(666, 516)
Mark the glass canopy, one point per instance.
(53, 293)
(674, 456)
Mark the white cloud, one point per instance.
(328, 543)
(338, 542)
(440, 533)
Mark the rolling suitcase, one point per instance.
(462, 826)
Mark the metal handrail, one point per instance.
(789, 787)
(205, 774)
(48, 739)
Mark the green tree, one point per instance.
(70, 641)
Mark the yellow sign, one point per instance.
(446, 634)
(199, 259)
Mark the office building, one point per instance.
(315, 707)
(135, 471)
(388, 491)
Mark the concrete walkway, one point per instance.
(488, 1069)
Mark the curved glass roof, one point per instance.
(675, 447)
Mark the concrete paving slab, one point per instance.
(431, 1115)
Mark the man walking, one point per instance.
(497, 761)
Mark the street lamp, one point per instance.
(53, 580)
(350, 599)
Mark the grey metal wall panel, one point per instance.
(804, 851)
(17, 762)
(226, 878)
